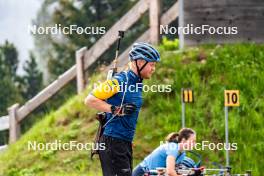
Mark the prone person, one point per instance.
(168, 154)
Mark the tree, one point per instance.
(9, 93)
(32, 80)
(9, 58)
(15, 88)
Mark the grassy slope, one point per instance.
(208, 70)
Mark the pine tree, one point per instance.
(9, 93)
(33, 79)
(9, 61)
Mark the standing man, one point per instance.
(121, 99)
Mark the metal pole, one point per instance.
(226, 135)
(183, 109)
(181, 23)
(183, 114)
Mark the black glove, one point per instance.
(128, 108)
(125, 109)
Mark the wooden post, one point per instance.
(154, 20)
(80, 69)
(14, 127)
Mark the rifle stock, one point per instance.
(101, 117)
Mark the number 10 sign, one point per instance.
(231, 97)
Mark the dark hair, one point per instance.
(177, 137)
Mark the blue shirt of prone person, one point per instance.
(168, 154)
(159, 156)
(124, 92)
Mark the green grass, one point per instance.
(208, 70)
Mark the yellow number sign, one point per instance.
(231, 97)
(187, 96)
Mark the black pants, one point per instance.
(116, 159)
